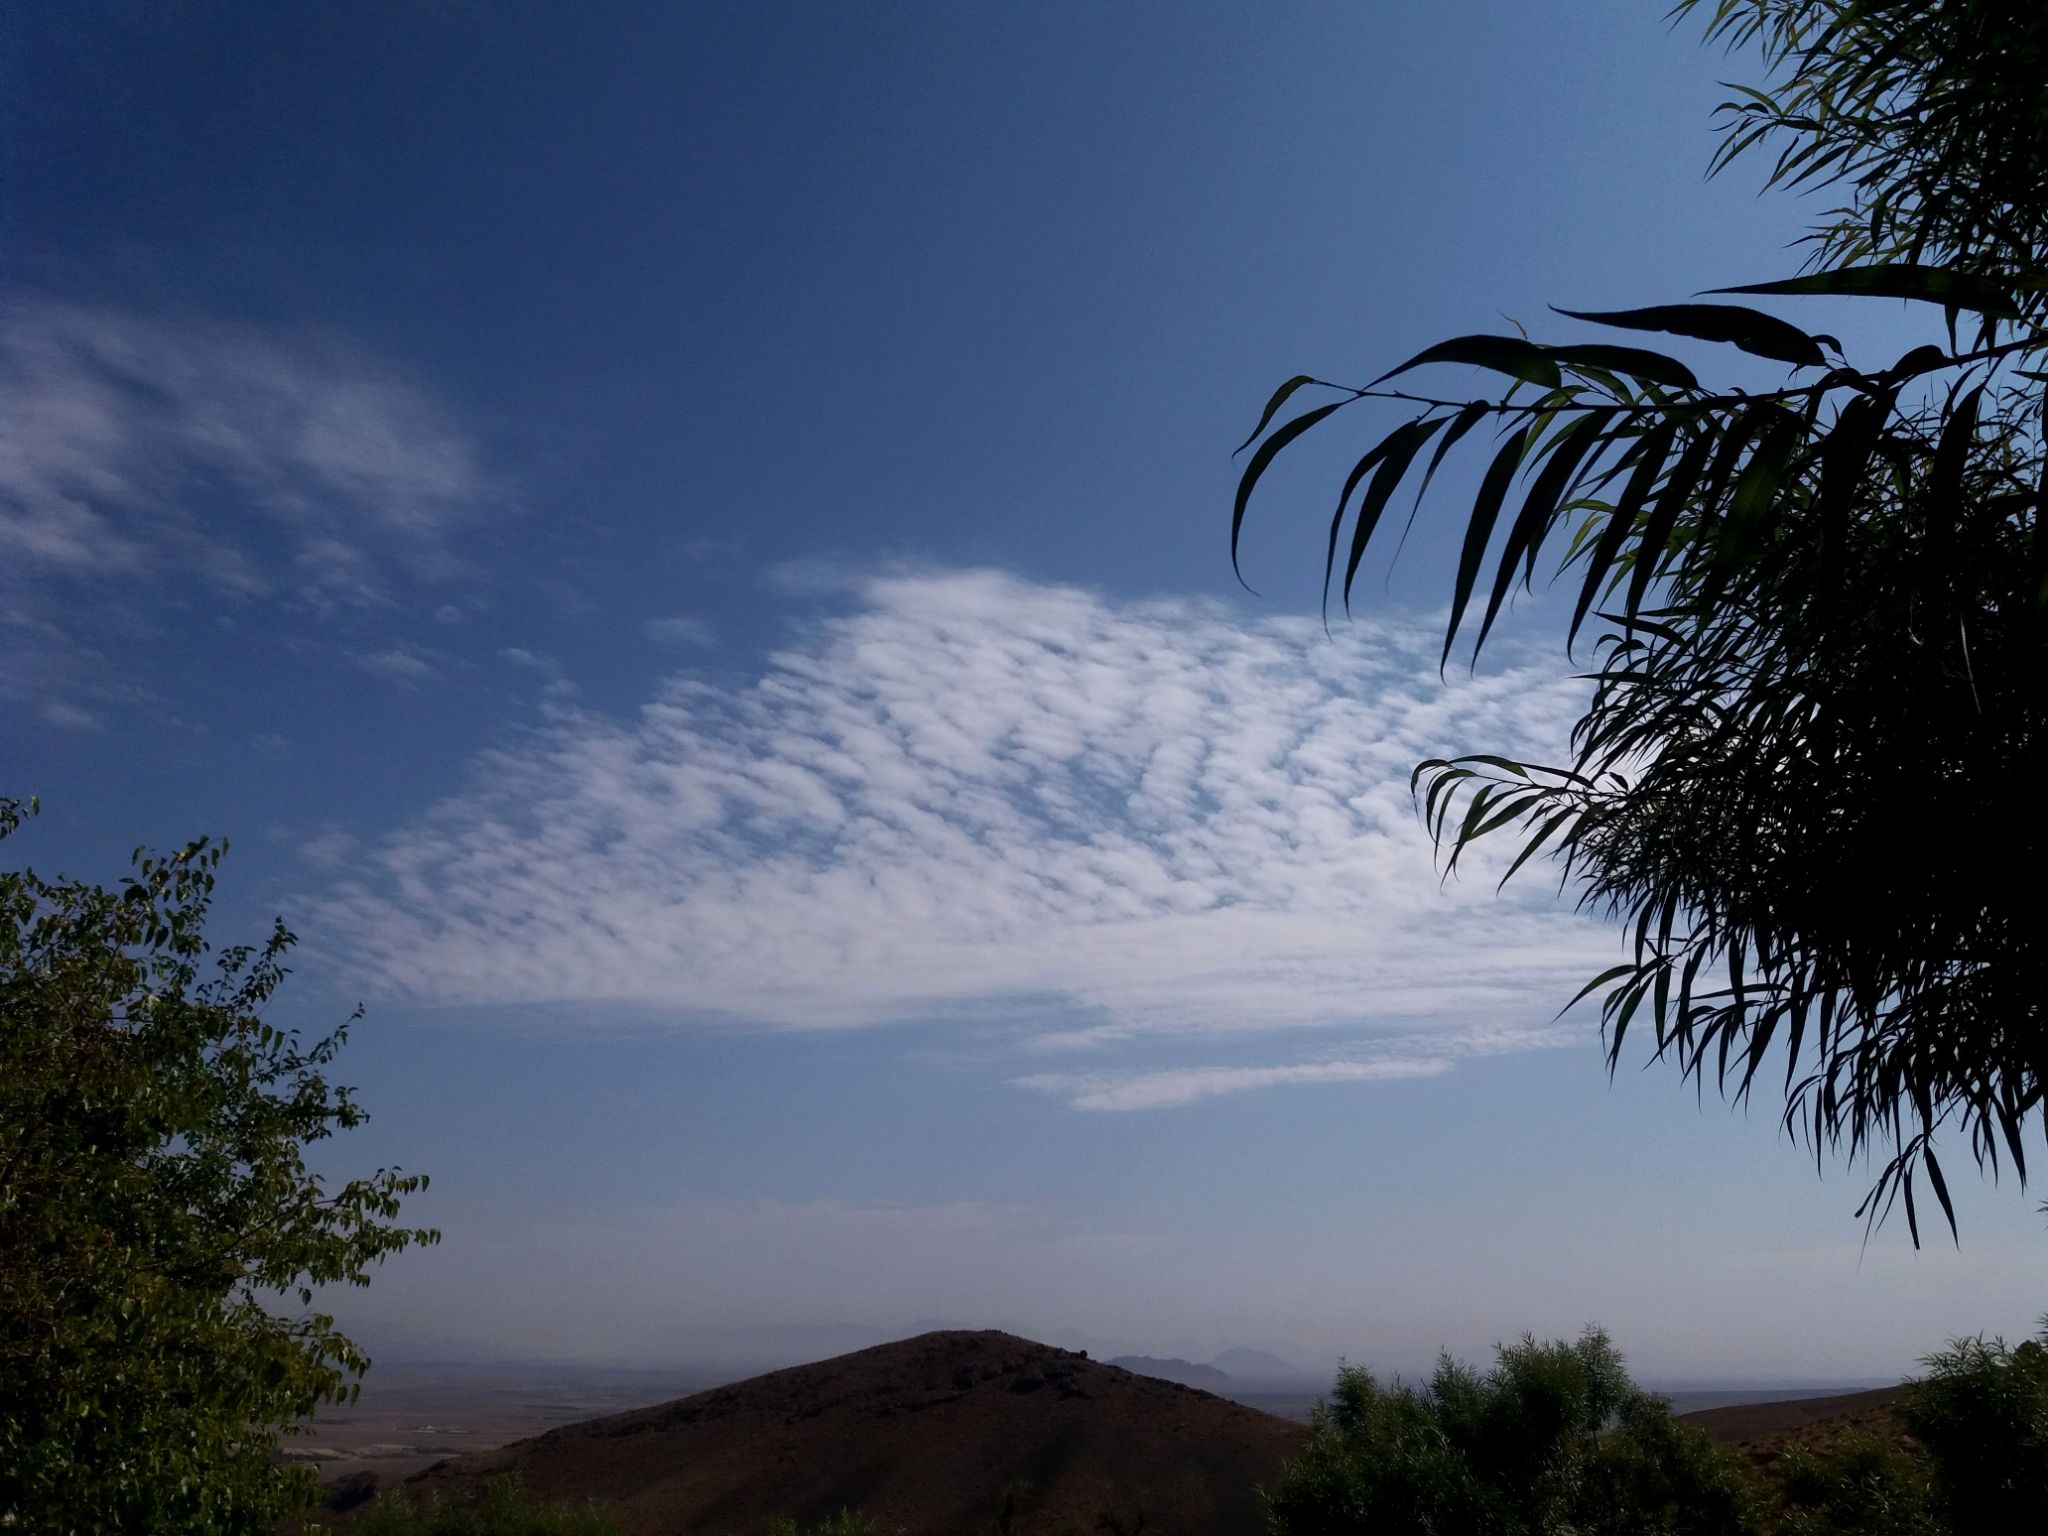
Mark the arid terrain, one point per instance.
(937, 1434)
(410, 1416)
(944, 1432)
(1765, 1431)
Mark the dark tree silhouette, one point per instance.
(1805, 775)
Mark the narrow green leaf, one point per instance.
(1737, 437)
(1756, 489)
(1841, 474)
(1502, 764)
(1510, 355)
(1924, 359)
(1899, 280)
(1539, 508)
(1612, 974)
(1945, 479)
(1636, 362)
(1400, 455)
(1948, 1206)
(1549, 827)
(1268, 451)
(1679, 489)
(1493, 491)
(1752, 330)
(1655, 449)
(1359, 471)
(1468, 417)
(1280, 398)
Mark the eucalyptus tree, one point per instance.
(1817, 613)
(161, 1232)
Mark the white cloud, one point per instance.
(557, 684)
(330, 849)
(254, 461)
(1175, 1086)
(680, 629)
(976, 797)
(70, 717)
(398, 662)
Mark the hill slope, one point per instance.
(1186, 1372)
(926, 1436)
(1765, 1431)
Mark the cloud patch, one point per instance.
(680, 630)
(1029, 808)
(252, 461)
(1176, 1086)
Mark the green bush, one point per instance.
(845, 1523)
(501, 1506)
(1858, 1486)
(1554, 1438)
(1981, 1412)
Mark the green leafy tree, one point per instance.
(1981, 1413)
(1817, 713)
(1554, 1438)
(156, 1211)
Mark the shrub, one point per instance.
(500, 1506)
(1982, 1414)
(1554, 1437)
(845, 1523)
(1857, 1486)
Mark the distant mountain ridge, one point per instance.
(1206, 1377)
(1243, 1364)
(933, 1436)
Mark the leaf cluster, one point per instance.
(1932, 116)
(157, 1212)
(1981, 1412)
(1817, 699)
(1857, 1485)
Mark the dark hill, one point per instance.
(926, 1436)
(1186, 1372)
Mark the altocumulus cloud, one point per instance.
(977, 799)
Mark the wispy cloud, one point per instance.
(250, 459)
(680, 629)
(70, 717)
(398, 662)
(977, 797)
(1175, 1086)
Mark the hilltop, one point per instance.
(932, 1436)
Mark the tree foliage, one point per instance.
(1803, 777)
(1857, 1485)
(1554, 1438)
(157, 1211)
(499, 1506)
(1981, 1412)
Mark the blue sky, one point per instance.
(685, 547)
